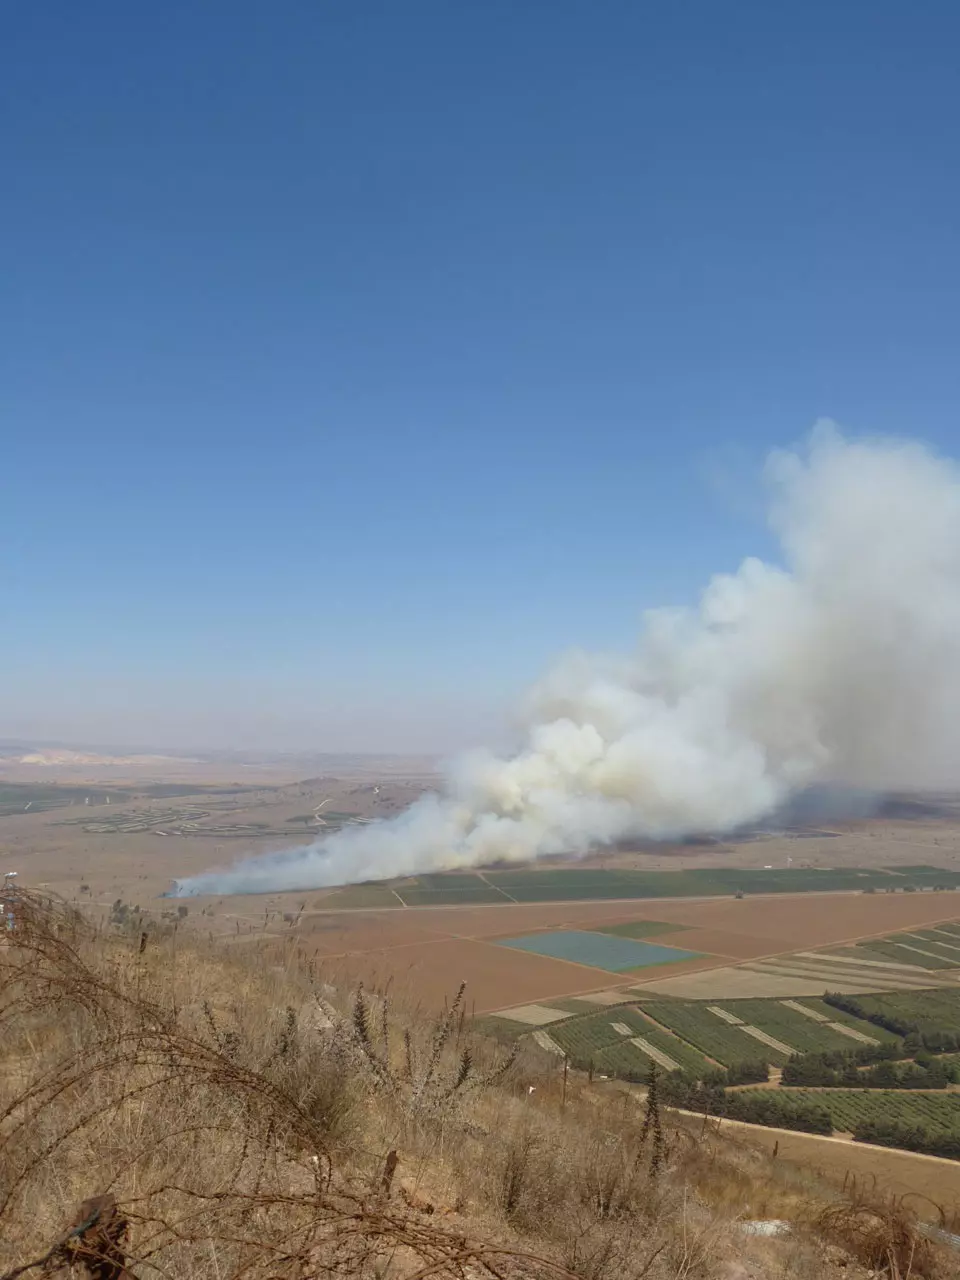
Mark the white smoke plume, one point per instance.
(841, 666)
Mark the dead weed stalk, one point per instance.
(211, 1156)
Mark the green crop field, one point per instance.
(568, 884)
(419, 897)
(685, 1055)
(931, 1011)
(447, 890)
(946, 949)
(574, 1004)
(725, 1044)
(593, 1039)
(564, 884)
(359, 896)
(952, 928)
(884, 949)
(903, 868)
(915, 943)
(847, 1020)
(582, 1038)
(528, 886)
(946, 942)
(848, 1107)
(628, 1060)
(792, 1028)
(503, 1029)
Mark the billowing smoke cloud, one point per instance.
(842, 666)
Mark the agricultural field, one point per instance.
(737, 1031)
(907, 949)
(582, 884)
(698, 1036)
(850, 1107)
(744, 948)
(949, 930)
(924, 1118)
(446, 890)
(801, 1032)
(551, 885)
(572, 884)
(931, 1011)
(785, 976)
(726, 1044)
(360, 897)
(943, 940)
(604, 1039)
(892, 949)
(845, 1019)
(614, 953)
(639, 929)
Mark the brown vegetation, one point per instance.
(226, 1119)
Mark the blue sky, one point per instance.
(356, 359)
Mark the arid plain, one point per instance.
(121, 831)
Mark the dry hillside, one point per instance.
(175, 1109)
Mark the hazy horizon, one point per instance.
(200, 753)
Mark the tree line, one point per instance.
(823, 1070)
(909, 1137)
(762, 1106)
(914, 1036)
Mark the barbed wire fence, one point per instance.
(206, 1166)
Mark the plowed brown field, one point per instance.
(721, 942)
(813, 919)
(427, 951)
(429, 973)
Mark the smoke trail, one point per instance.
(841, 667)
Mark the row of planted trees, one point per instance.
(756, 1106)
(845, 1071)
(910, 1137)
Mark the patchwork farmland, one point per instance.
(929, 1011)
(700, 1036)
(783, 946)
(787, 1038)
(570, 884)
(932, 949)
(609, 1041)
(718, 1059)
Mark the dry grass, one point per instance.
(252, 1122)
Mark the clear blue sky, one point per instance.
(356, 358)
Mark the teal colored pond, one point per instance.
(599, 950)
